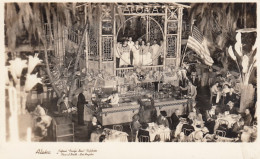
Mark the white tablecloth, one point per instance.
(154, 129)
(116, 136)
(179, 127)
(231, 118)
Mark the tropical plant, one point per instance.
(219, 21)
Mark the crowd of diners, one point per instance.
(224, 101)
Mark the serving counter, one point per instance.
(125, 111)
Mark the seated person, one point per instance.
(247, 117)
(135, 124)
(210, 119)
(95, 135)
(215, 90)
(66, 108)
(60, 100)
(38, 111)
(231, 109)
(226, 89)
(230, 96)
(236, 129)
(142, 131)
(161, 120)
(188, 125)
(175, 117)
(114, 98)
(196, 117)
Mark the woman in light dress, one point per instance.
(136, 52)
(146, 54)
(125, 55)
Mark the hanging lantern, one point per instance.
(16, 67)
(33, 62)
(31, 81)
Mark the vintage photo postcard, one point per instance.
(136, 79)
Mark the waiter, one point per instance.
(113, 99)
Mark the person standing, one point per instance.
(136, 52)
(147, 56)
(155, 52)
(161, 53)
(118, 54)
(131, 44)
(125, 57)
(80, 108)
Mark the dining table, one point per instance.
(231, 118)
(110, 136)
(115, 136)
(155, 129)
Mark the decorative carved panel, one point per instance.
(171, 46)
(107, 42)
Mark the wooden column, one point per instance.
(100, 39)
(178, 53)
(86, 40)
(114, 39)
(165, 38)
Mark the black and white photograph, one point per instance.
(88, 72)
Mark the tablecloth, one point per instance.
(231, 118)
(154, 129)
(115, 136)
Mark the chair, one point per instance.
(220, 133)
(64, 132)
(132, 137)
(118, 127)
(187, 132)
(143, 138)
(222, 121)
(170, 122)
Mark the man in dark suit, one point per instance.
(231, 96)
(194, 80)
(142, 131)
(236, 128)
(189, 126)
(231, 109)
(175, 117)
(210, 116)
(247, 117)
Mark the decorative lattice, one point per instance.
(93, 44)
(155, 32)
(172, 13)
(171, 46)
(107, 48)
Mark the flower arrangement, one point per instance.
(18, 96)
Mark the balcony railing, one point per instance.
(121, 72)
